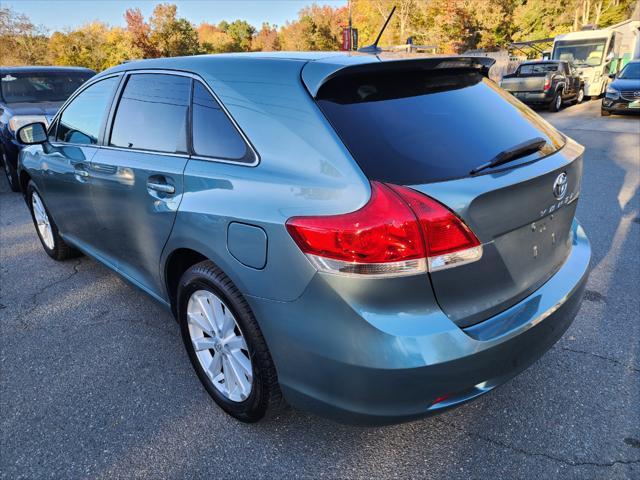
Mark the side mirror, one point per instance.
(33, 134)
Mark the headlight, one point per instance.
(612, 92)
(21, 120)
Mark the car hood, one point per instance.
(625, 84)
(48, 109)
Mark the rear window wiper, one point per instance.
(512, 153)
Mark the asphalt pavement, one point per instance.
(95, 382)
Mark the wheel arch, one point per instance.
(24, 179)
(178, 262)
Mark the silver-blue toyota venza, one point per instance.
(368, 237)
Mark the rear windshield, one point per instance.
(43, 86)
(428, 126)
(537, 68)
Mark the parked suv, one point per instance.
(623, 93)
(549, 83)
(374, 239)
(27, 95)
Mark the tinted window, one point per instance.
(82, 118)
(40, 86)
(213, 133)
(418, 127)
(537, 68)
(152, 113)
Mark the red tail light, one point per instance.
(547, 84)
(398, 232)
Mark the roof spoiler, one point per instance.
(316, 74)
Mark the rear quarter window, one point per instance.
(426, 126)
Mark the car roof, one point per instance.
(38, 68)
(316, 67)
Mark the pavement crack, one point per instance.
(522, 451)
(602, 357)
(22, 317)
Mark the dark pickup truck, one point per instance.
(545, 82)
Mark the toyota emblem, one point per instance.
(560, 186)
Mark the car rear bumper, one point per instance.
(356, 366)
(534, 97)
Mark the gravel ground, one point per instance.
(94, 380)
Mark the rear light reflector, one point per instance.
(448, 240)
(547, 84)
(398, 232)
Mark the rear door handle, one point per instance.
(161, 187)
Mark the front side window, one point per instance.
(213, 133)
(152, 113)
(81, 120)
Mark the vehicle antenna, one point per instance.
(373, 48)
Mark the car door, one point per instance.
(575, 79)
(137, 176)
(569, 87)
(65, 163)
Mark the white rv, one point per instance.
(591, 51)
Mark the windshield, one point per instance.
(631, 71)
(583, 53)
(537, 68)
(34, 87)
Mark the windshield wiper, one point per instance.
(513, 153)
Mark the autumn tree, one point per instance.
(317, 28)
(94, 45)
(267, 39)
(241, 32)
(140, 32)
(21, 42)
(172, 36)
(214, 40)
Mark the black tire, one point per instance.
(61, 250)
(265, 393)
(11, 173)
(604, 113)
(556, 104)
(580, 96)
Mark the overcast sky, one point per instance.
(58, 14)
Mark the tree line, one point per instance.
(452, 26)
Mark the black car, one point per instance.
(623, 94)
(550, 83)
(31, 94)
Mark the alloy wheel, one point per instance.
(558, 101)
(42, 221)
(219, 345)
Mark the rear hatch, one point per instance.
(428, 127)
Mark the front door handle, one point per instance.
(161, 187)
